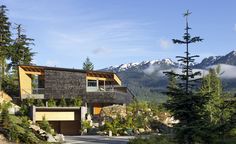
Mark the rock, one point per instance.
(148, 130)
(59, 138)
(136, 132)
(96, 124)
(50, 138)
(41, 131)
(112, 111)
(141, 130)
(35, 127)
(156, 118)
(125, 133)
(89, 117)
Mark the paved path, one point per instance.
(97, 139)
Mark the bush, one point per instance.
(63, 102)
(25, 106)
(39, 103)
(51, 102)
(44, 124)
(117, 126)
(5, 114)
(77, 101)
(86, 125)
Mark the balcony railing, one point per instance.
(107, 88)
(37, 93)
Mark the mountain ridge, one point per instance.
(147, 81)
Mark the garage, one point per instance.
(64, 120)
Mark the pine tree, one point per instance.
(184, 103)
(88, 65)
(5, 41)
(218, 111)
(212, 87)
(21, 53)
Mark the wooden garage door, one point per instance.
(70, 127)
(66, 127)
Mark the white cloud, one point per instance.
(151, 69)
(227, 71)
(234, 27)
(165, 43)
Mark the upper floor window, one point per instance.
(92, 86)
(92, 83)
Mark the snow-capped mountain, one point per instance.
(146, 78)
(140, 66)
(229, 59)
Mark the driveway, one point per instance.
(94, 139)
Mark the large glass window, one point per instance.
(92, 83)
(92, 86)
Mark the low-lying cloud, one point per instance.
(227, 71)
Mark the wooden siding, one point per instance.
(25, 83)
(64, 83)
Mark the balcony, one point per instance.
(36, 93)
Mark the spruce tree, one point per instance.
(5, 41)
(212, 87)
(88, 65)
(21, 53)
(219, 112)
(184, 103)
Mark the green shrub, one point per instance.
(25, 106)
(44, 124)
(39, 103)
(86, 125)
(77, 101)
(117, 126)
(5, 113)
(63, 102)
(51, 102)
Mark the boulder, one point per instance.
(112, 111)
(59, 138)
(35, 127)
(50, 138)
(141, 130)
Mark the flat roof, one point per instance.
(40, 68)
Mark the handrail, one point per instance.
(33, 91)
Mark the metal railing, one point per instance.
(108, 88)
(33, 91)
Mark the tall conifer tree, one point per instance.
(21, 53)
(5, 41)
(184, 103)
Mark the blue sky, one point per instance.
(112, 32)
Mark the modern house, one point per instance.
(97, 89)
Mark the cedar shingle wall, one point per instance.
(64, 83)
